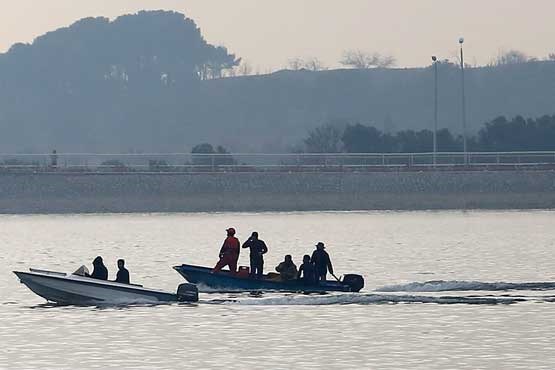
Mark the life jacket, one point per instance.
(231, 246)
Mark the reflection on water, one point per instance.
(403, 319)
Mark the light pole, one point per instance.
(435, 61)
(463, 107)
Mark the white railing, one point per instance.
(264, 162)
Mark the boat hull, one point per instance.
(78, 290)
(225, 281)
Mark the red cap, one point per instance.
(231, 231)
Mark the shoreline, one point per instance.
(68, 194)
(292, 213)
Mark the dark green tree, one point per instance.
(362, 139)
(205, 155)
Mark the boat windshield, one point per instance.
(82, 271)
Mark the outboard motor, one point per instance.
(355, 282)
(187, 293)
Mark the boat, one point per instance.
(226, 281)
(74, 289)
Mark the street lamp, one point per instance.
(435, 61)
(463, 107)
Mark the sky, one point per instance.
(268, 33)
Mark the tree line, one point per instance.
(362, 59)
(498, 135)
(203, 155)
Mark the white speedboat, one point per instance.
(74, 289)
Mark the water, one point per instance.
(434, 298)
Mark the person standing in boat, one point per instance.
(257, 250)
(100, 271)
(322, 262)
(229, 253)
(123, 274)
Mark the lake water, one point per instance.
(462, 319)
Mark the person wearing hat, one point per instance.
(322, 262)
(229, 253)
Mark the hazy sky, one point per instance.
(269, 32)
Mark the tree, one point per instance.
(314, 64)
(222, 157)
(324, 139)
(295, 64)
(446, 142)
(518, 134)
(134, 50)
(387, 61)
(219, 60)
(203, 159)
(362, 139)
(410, 141)
(359, 59)
(244, 69)
(511, 57)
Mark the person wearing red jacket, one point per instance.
(229, 253)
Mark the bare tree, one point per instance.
(510, 57)
(295, 64)
(232, 72)
(324, 139)
(359, 59)
(311, 64)
(386, 61)
(244, 69)
(456, 55)
(314, 64)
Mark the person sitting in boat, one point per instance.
(229, 253)
(257, 250)
(100, 271)
(322, 262)
(307, 272)
(123, 274)
(287, 269)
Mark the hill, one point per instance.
(150, 82)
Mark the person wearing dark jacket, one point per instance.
(322, 263)
(229, 253)
(123, 274)
(287, 269)
(307, 272)
(100, 271)
(257, 250)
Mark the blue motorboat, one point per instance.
(226, 281)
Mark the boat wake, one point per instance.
(455, 285)
(365, 299)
